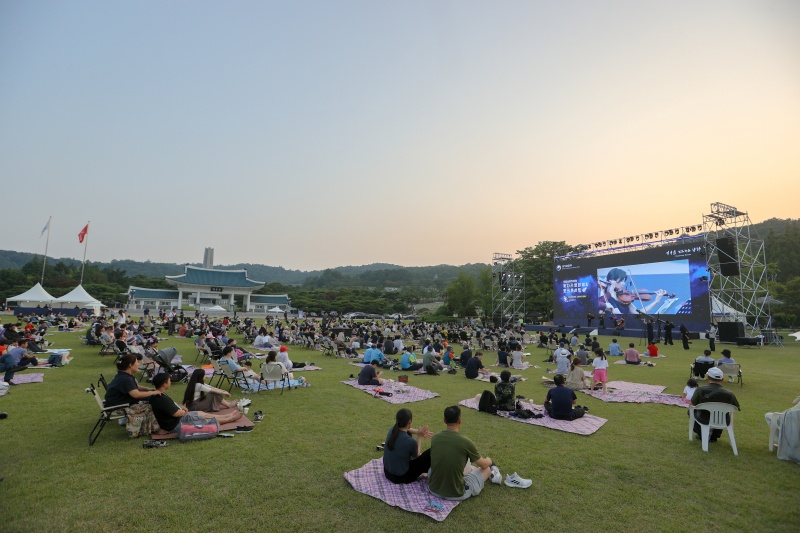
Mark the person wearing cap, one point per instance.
(283, 357)
(713, 392)
(726, 358)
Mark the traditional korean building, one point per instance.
(203, 288)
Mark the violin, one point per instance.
(627, 296)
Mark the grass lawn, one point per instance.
(638, 472)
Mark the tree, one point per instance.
(537, 265)
(484, 291)
(460, 296)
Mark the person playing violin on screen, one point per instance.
(619, 300)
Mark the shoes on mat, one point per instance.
(244, 402)
(513, 480)
(258, 416)
(246, 429)
(496, 477)
(155, 444)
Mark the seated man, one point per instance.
(560, 400)
(475, 366)
(450, 452)
(505, 392)
(562, 360)
(614, 348)
(431, 362)
(703, 363)
(229, 359)
(582, 354)
(631, 355)
(448, 356)
(465, 356)
(713, 392)
(409, 361)
(369, 375)
(367, 354)
(168, 413)
(10, 364)
(503, 357)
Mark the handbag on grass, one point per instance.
(194, 427)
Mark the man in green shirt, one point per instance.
(450, 452)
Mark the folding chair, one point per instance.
(717, 419)
(329, 349)
(107, 348)
(275, 372)
(218, 373)
(732, 370)
(233, 377)
(107, 414)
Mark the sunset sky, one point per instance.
(317, 134)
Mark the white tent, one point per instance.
(275, 309)
(80, 298)
(34, 296)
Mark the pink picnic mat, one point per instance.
(23, 377)
(405, 394)
(626, 392)
(586, 425)
(414, 497)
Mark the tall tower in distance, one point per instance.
(208, 258)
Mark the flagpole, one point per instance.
(47, 244)
(85, 245)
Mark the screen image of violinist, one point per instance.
(645, 288)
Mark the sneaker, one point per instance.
(246, 429)
(155, 444)
(244, 402)
(258, 416)
(496, 477)
(514, 480)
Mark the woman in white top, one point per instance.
(202, 397)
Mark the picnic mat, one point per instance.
(524, 366)
(625, 392)
(22, 377)
(243, 422)
(412, 497)
(642, 363)
(307, 367)
(409, 394)
(586, 425)
(485, 377)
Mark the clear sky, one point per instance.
(313, 134)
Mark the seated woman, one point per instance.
(576, 379)
(124, 390)
(202, 397)
(169, 414)
(272, 357)
(402, 460)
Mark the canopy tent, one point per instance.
(214, 309)
(275, 309)
(34, 296)
(80, 298)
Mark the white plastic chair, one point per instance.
(717, 419)
(275, 372)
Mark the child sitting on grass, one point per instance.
(688, 390)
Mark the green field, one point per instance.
(638, 472)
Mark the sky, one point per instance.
(315, 134)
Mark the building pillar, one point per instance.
(247, 302)
(180, 299)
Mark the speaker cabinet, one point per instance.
(728, 255)
(729, 331)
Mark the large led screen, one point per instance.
(668, 283)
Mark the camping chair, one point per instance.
(217, 373)
(329, 349)
(106, 348)
(233, 377)
(787, 443)
(203, 354)
(275, 372)
(699, 370)
(163, 359)
(718, 419)
(107, 414)
(732, 370)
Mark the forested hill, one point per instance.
(376, 274)
(781, 236)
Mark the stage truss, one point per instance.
(508, 290)
(744, 297)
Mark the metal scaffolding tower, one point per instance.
(508, 290)
(743, 294)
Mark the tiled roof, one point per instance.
(215, 278)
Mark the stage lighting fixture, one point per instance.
(637, 238)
